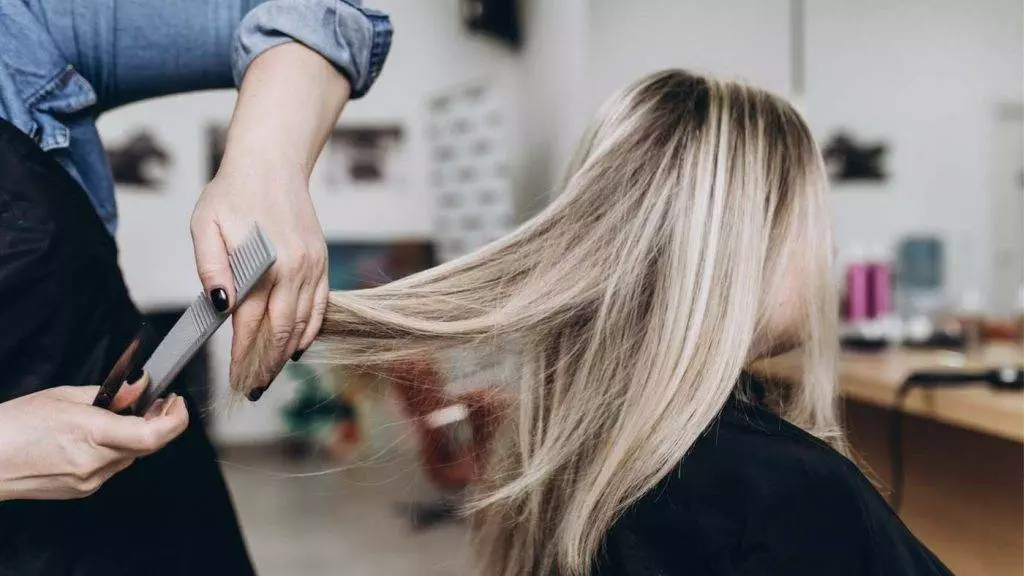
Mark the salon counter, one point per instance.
(962, 447)
(875, 378)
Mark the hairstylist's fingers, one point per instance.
(246, 321)
(291, 299)
(141, 435)
(282, 314)
(303, 314)
(129, 393)
(156, 410)
(125, 397)
(76, 394)
(212, 260)
(317, 282)
(316, 319)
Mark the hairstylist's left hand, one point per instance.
(287, 306)
(289, 102)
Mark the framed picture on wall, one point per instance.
(850, 159)
(369, 158)
(140, 162)
(469, 168)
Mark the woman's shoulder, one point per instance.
(757, 495)
(762, 457)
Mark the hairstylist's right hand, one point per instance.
(55, 445)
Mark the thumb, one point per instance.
(142, 435)
(76, 394)
(212, 262)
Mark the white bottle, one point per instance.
(971, 321)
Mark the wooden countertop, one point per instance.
(874, 378)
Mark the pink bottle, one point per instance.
(858, 282)
(857, 292)
(879, 289)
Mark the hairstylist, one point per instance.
(65, 314)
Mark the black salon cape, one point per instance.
(65, 316)
(757, 496)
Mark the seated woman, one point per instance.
(691, 240)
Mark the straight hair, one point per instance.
(690, 238)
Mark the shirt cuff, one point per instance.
(355, 39)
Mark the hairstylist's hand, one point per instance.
(289, 102)
(287, 307)
(54, 445)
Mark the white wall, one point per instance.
(579, 52)
(553, 83)
(926, 76)
(744, 39)
(431, 51)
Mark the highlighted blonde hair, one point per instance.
(691, 238)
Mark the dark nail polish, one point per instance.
(256, 393)
(219, 298)
(297, 355)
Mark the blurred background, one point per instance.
(917, 105)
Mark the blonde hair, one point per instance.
(692, 213)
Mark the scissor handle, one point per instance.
(128, 367)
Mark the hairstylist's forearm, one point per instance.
(288, 103)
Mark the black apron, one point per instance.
(65, 317)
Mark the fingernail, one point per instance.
(219, 298)
(297, 355)
(256, 393)
(171, 399)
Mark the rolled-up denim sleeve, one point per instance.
(355, 39)
(129, 50)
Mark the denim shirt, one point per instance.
(63, 62)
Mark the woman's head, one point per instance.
(690, 238)
(732, 177)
